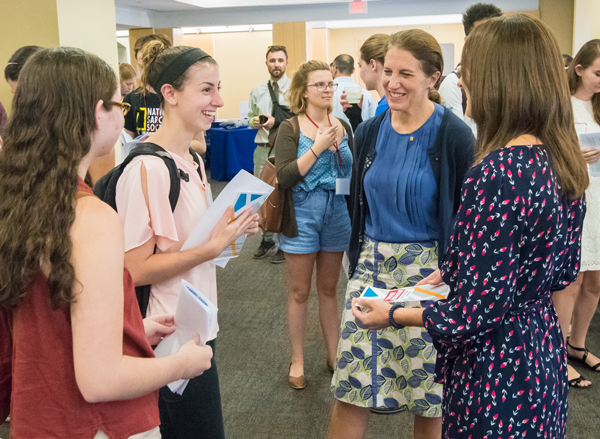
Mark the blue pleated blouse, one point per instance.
(326, 169)
(400, 186)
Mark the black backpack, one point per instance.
(106, 190)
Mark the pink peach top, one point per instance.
(142, 221)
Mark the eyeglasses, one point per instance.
(322, 86)
(124, 106)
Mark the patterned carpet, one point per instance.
(253, 357)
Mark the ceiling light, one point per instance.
(417, 20)
(222, 29)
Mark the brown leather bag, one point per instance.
(271, 211)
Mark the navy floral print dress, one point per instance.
(501, 355)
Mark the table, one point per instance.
(229, 151)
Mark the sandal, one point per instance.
(576, 382)
(582, 359)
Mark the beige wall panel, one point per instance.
(558, 16)
(319, 44)
(201, 41)
(97, 35)
(166, 31)
(20, 27)
(134, 34)
(241, 58)
(293, 37)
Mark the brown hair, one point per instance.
(295, 95)
(520, 88)
(156, 56)
(126, 72)
(375, 47)
(142, 41)
(586, 56)
(426, 49)
(50, 131)
(273, 49)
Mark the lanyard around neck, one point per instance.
(337, 149)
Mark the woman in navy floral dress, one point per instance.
(517, 238)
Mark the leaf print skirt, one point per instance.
(389, 368)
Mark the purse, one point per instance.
(271, 211)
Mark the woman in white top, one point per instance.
(577, 303)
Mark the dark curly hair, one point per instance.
(477, 12)
(50, 131)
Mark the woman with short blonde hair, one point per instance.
(314, 161)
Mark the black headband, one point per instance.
(177, 67)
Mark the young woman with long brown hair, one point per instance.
(577, 304)
(82, 362)
(517, 237)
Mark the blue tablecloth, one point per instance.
(229, 151)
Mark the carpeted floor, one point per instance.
(253, 357)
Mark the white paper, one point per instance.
(244, 109)
(195, 314)
(244, 192)
(591, 141)
(408, 294)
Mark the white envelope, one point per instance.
(592, 141)
(195, 314)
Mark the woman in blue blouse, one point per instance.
(314, 162)
(517, 238)
(409, 163)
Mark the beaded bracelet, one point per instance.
(316, 156)
(393, 323)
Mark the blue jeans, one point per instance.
(323, 223)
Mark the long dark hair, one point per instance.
(519, 88)
(50, 131)
(586, 56)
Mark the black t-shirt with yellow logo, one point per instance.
(145, 115)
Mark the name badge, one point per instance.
(342, 186)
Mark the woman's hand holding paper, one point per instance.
(227, 231)
(158, 327)
(434, 278)
(194, 359)
(591, 155)
(373, 313)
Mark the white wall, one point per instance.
(586, 22)
(95, 34)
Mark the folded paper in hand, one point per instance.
(408, 294)
(195, 315)
(244, 192)
(591, 141)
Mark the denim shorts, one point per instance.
(323, 223)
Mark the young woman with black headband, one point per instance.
(187, 82)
